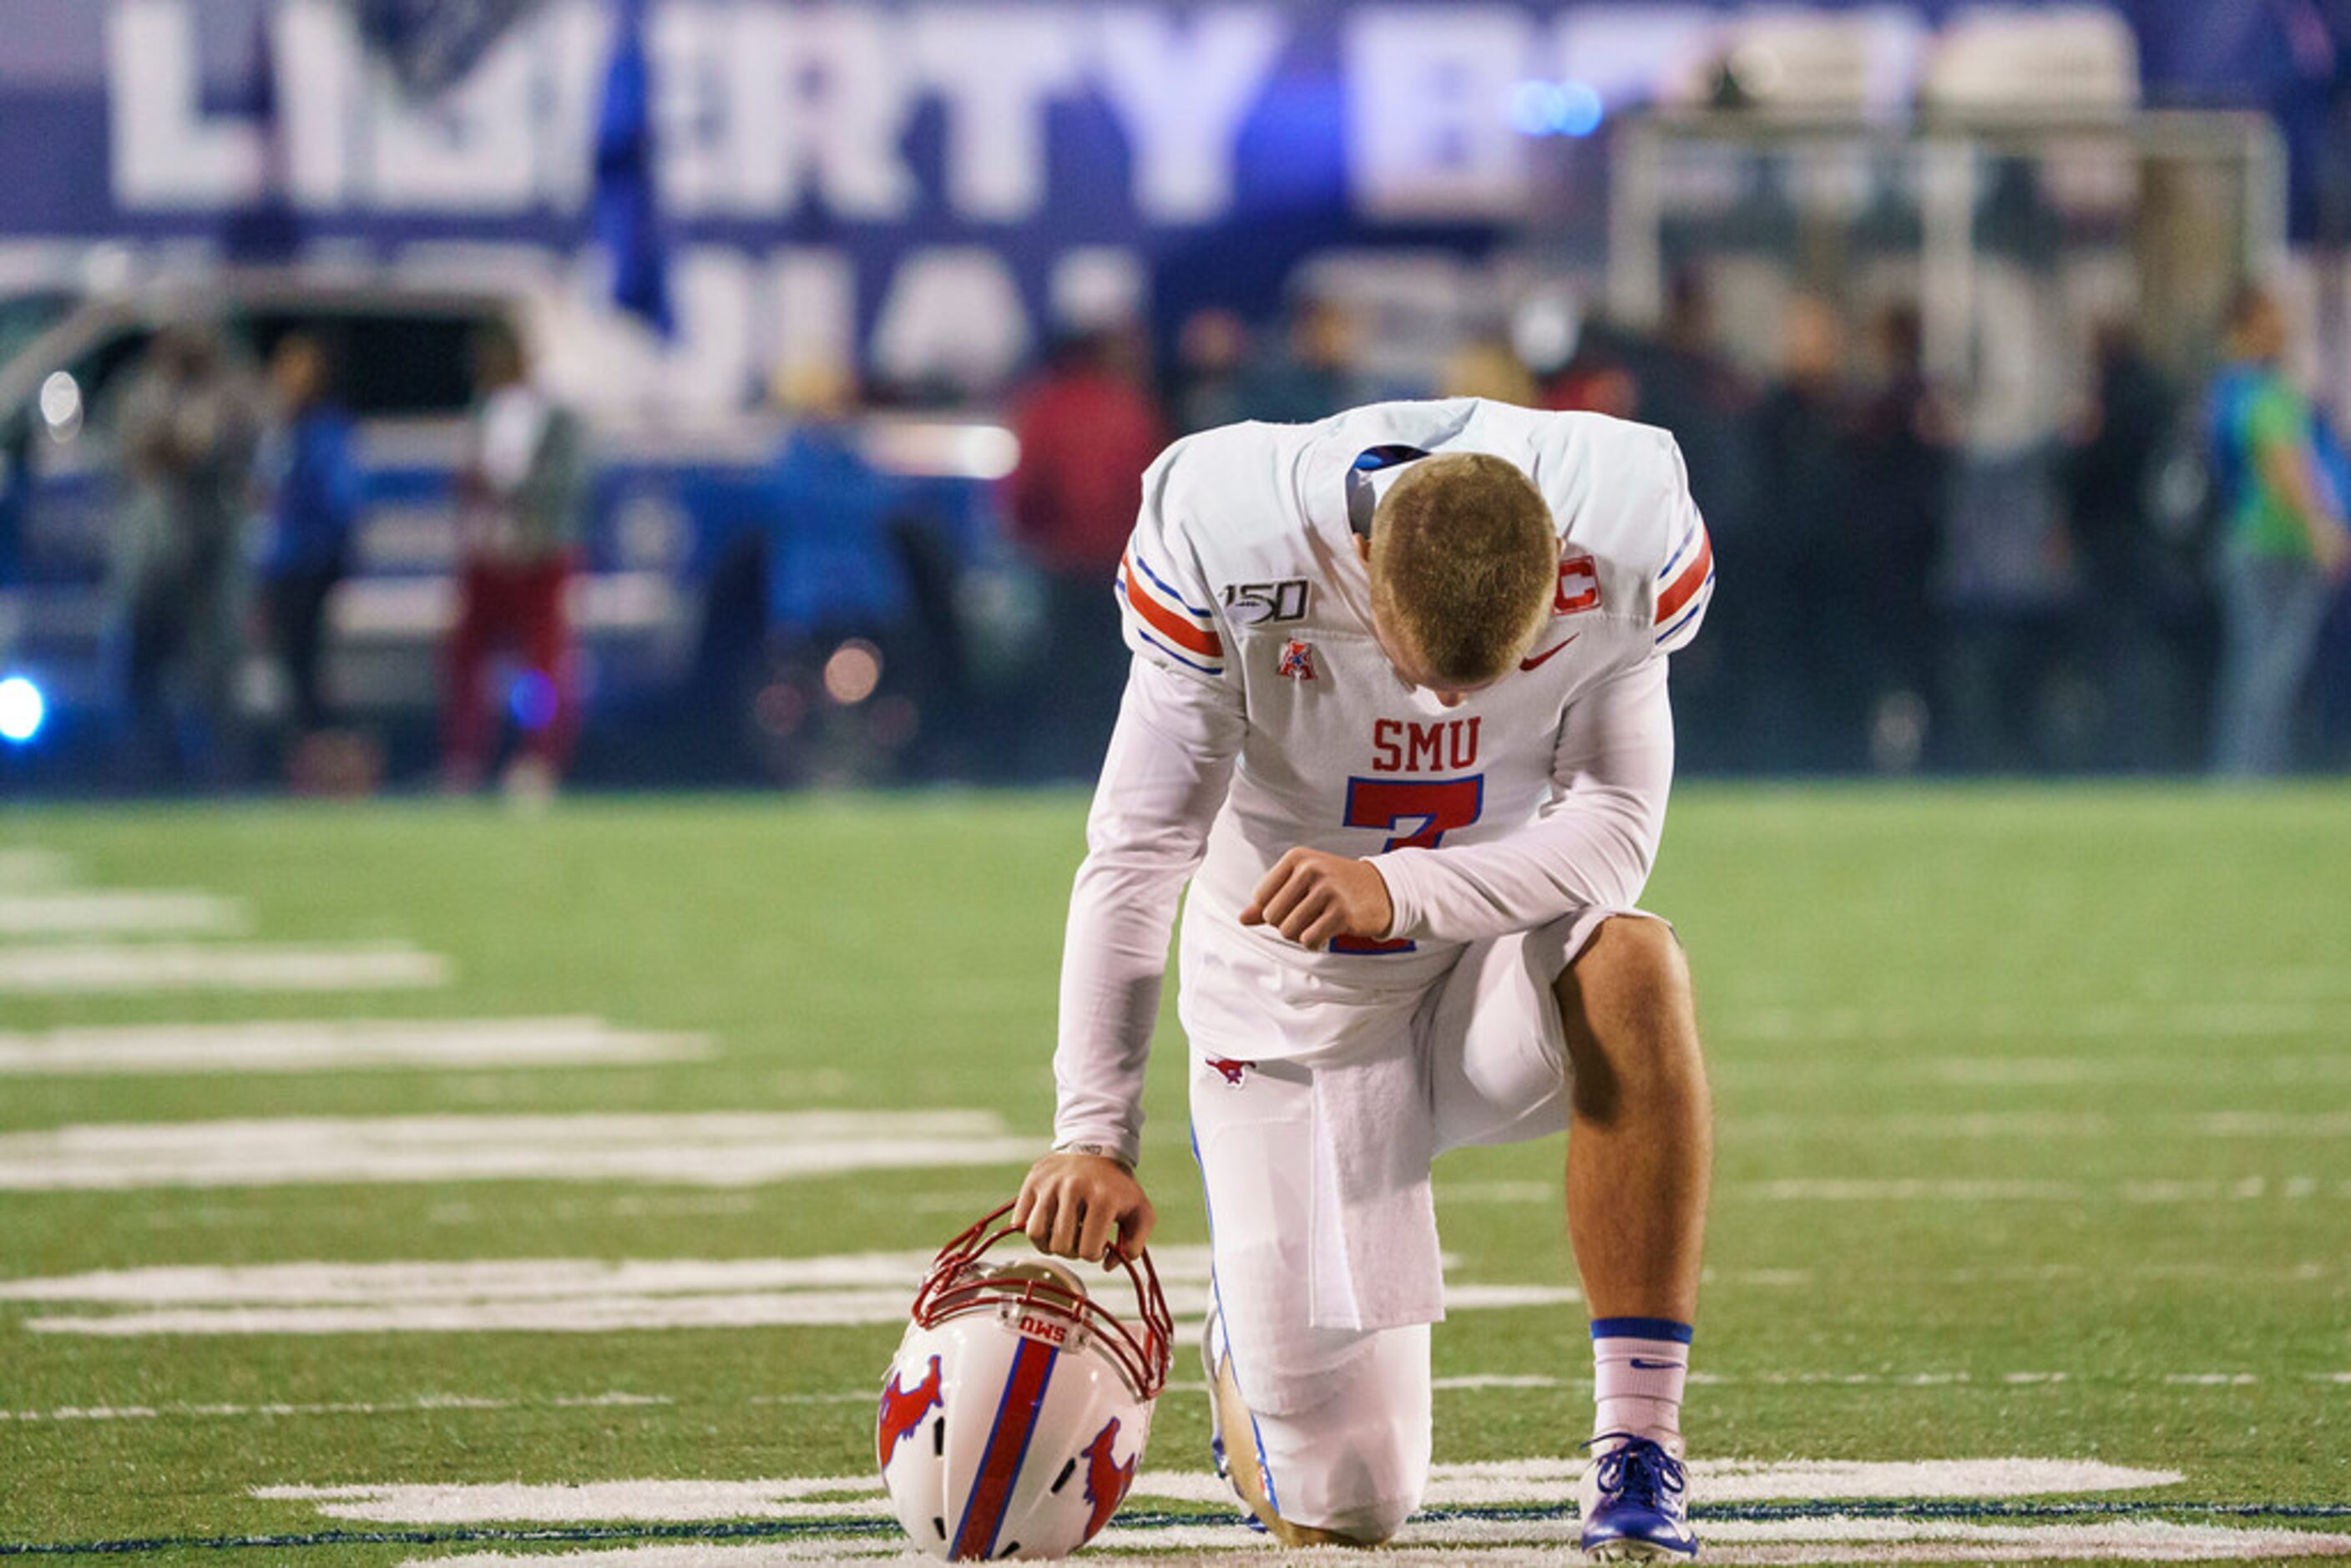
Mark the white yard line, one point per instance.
(338, 1045)
(733, 1149)
(423, 1403)
(559, 1295)
(1503, 1482)
(119, 912)
(1539, 1545)
(2249, 1019)
(117, 968)
(2046, 1126)
(1921, 1189)
(2170, 1069)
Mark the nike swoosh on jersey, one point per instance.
(1539, 659)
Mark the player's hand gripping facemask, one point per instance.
(1014, 1414)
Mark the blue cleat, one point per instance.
(1636, 1503)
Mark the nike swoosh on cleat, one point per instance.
(1541, 658)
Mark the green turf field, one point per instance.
(2035, 1142)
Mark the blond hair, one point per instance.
(1465, 563)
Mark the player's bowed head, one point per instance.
(1464, 562)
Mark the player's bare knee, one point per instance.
(1629, 1016)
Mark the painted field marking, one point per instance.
(1516, 1483)
(2061, 1071)
(119, 912)
(1923, 1189)
(118, 968)
(2276, 982)
(426, 1403)
(719, 1149)
(1827, 1539)
(863, 1538)
(338, 1045)
(429, 1402)
(1748, 1512)
(2078, 1127)
(25, 865)
(559, 1295)
(2250, 1018)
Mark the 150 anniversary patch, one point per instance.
(1265, 603)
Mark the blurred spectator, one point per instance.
(2113, 469)
(16, 469)
(1487, 368)
(1317, 375)
(1212, 352)
(519, 498)
(1088, 428)
(829, 564)
(313, 503)
(1902, 468)
(1597, 378)
(190, 423)
(1687, 385)
(1797, 583)
(837, 587)
(2285, 547)
(2014, 704)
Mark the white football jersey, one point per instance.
(1243, 575)
(1261, 715)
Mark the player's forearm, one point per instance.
(1164, 777)
(1593, 851)
(1114, 961)
(1591, 848)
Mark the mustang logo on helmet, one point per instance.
(1024, 1462)
(902, 1409)
(1106, 1480)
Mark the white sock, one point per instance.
(1639, 1367)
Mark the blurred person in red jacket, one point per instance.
(1088, 427)
(520, 496)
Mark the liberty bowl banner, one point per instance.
(925, 188)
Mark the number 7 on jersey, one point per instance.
(1437, 805)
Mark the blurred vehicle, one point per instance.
(677, 497)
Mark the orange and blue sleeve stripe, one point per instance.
(1686, 583)
(1161, 617)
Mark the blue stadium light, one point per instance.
(22, 710)
(1555, 109)
(1534, 107)
(1580, 110)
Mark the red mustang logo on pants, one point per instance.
(1231, 1070)
(902, 1409)
(1106, 1480)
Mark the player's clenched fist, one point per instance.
(1071, 1206)
(1311, 896)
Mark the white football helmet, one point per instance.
(1014, 1414)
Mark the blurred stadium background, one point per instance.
(735, 396)
(863, 318)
